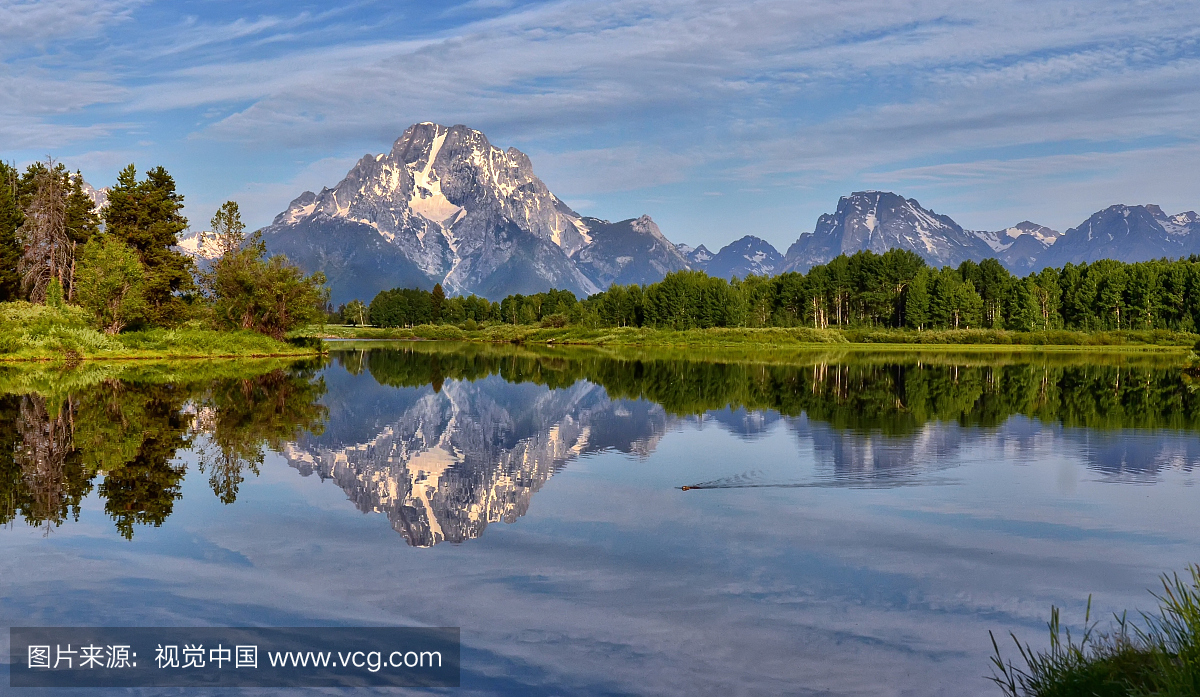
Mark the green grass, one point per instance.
(30, 332)
(1160, 658)
(1000, 337)
(773, 338)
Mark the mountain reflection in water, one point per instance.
(463, 437)
(446, 439)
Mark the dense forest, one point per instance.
(891, 290)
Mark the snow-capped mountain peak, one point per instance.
(1002, 240)
(1175, 225)
(446, 206)
(698, 257)
(747, 256)
(878, 221)
(199, 244)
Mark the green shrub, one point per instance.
(111, 283)
(30, 315)
(54, 294)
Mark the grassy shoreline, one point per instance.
(39, 334)
(778, 338)
(161, 345)
(1159, 657)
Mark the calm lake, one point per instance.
(603, 522)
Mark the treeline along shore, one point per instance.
(80, 280)
(890, 297)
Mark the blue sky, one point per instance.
(717, 119)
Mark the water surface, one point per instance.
(599, 523)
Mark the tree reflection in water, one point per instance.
(126, 435)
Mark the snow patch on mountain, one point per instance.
(1002, 240)
(747, 256)
(1176, 225)
(198, 244)
(99, 196)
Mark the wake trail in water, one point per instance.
(748, 481)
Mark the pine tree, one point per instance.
(83, 223)
(438, 300)
(82, 220)
(10, 248)
(228, 232)
(147, 216)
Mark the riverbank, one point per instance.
(775, 338)
(39, 333)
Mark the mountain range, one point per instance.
(446, 206)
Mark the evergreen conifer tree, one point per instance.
(916, 300)
(10, 248)
(147, 215)
(437, 299)
(82, 220)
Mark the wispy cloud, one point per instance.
(635, 94)
(43, 23)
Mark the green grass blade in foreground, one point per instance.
(1161, 659)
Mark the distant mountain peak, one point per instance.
(744, 257)
(629, 251)
(1128, 233)
(879, 221)
(1175, 225)
(697, 257)
(1001, 240)
(199, 244)
(99, 196)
